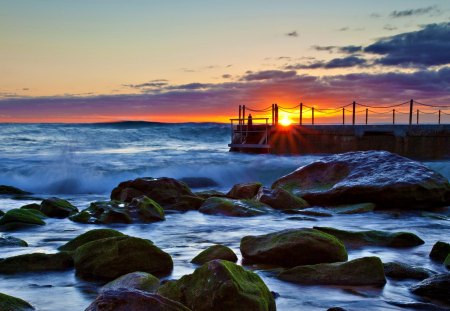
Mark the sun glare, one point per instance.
(285, 121)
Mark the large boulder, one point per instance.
(235, 208)
(244, 191)
(57, 208)
(380, 177)
(294, 247)
(136, 280)
(36, 262)
(215, 252)
(361, 271)
(12, 241)
(19, 218)
(132, 300)
(10, 303)
(356, 239)
(220, 285)
(112, 257)
(280, 199)
(401, 271)
(89, 236)
(440, 251)
(435, 287)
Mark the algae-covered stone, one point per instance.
(57, 208)
(280, 199)
(447, 262)
(359, 208)
(361, 271)
(12, 241)
(36, 262)
(136, 280)
(34, 206)
(89, 236)
(210, 193)
(235, 208)
(244, 191)
(293, 247)
(17, 218)
(440, 251)
(355, 239)
(220, 285)
(112, 257)
(10, 303)
(10, 190)
(146, 209)
(215, 252)
(133, 300)
(199, 182)
(104, 212)
(398, 270)
(435, 287)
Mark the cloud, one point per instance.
(375, 15)
(414, 12)
(151, 84)
(292, 34)
(343, 29)
(226, 76)
(268, 75)
(344, 62)
(389, 27)
(349, 49)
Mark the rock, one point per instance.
(353, 208)
(9, 190)
(235, 208)
(244, 191)
(309, 212)
(145, 209)
(104, 212)
(57, 208)
(447, 262)
(199, 182)
(358, 272)
(435, 287)
(215, 252)
(34, 206)
(2, 213)
(210, 193)
(36, 262)
(10, 303)
(132, 300)
(83, 217)
(12, 241)
(89, 236)
(386, 179)
(18, 218)
(301, 218)
(135, 281)
(186, 203)
(412, 305)
(280, 199)
(440, 251)
(293, 248)
(165, 191)
(398, 270)
(112, 257)
(356, 239)
(220, 285)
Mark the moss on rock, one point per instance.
(17, 218)
(89, 236)
(136, 280)
(57, 208)
(215, 252)
(145, 209)
(10, 303)
(244, 191)
(280, 199)
(235, 208)
(440, 251)
(36, 262)
(12, 241)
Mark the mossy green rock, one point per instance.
(222, 286)
(361, 271)
(9, 190)
(209, 194)
(244, 191)
(215, 252)
(89, 236)
(10, 303)
(145, 209)
(355, 239)
(447, 262)
(57, 208)
(12, 241)
(440, 251)
(104, 212)
(280, 199)
(353, 208)
(401, 271)
(17, 218)
(136, 280)
(293, 247)
(36, 262)
(234, 208)
(112, 257)
(34, 206)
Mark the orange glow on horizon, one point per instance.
(285, 121)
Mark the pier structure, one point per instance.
(412, 129)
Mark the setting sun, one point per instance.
(285, 121)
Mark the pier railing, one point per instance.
(251, 132)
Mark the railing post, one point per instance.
(240, 110)
(343, 115)
(367, 115)
(354, 111)
(393, 116)
(312, 115)
(276, 114)
(243, 115)
(301, 113)
(411, 102)
(273, 114)
(439, 121)
(417, 116)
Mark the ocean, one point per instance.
(84, 162)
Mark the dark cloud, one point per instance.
(414, 12)
(151, 84)
(328, 48)
(389, 27)
(345, 62)
(226, 76)
(292, 34)
(350, 49)
(268, 75)
(343, 29)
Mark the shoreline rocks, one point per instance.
(401, 271)
(17, 218)
(280, 199)
(440, 251)
(435, 287)
(89, 236)
(133, 281)
(244, 191)
(10, 303)
(215, 252)
(234, 208)
(36, 262)
(57, 208)
(10, 190)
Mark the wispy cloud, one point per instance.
(292, 34)
(432, 10)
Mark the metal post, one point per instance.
(312, 115)
(417, 116)
(411, 102)
(243, 115)
(367, 114)
(439, 121)
(343, 115)
(276, 114)
(393, 116)
(301, 113)
(240, 110)
(354, 111)
(273, 113)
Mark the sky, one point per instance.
(176, 61)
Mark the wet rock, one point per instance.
(355, 239)
(2, 213)
(412, 305)
(353, 208)
(36, 262)
(386, 179)
(112, 257)
(21, 218)
(244, 191)
(398, 270)
(440, 251)
(9, 190)
(132, 300)
(318, 212)
(186, 203)
(57, 208)
(167, 192)
(89, 236)
(358, 272)
(215, 252)
(10, 303)
(220, 285)
(105, 212)
(235, 208)
(447, 262)
(34, 206)
(199, 182)
(293, 248)
(280, 199)
(435, 287)
(210, 193)
(134, 281)
(12, 241)
(145, 209)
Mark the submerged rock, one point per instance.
(293, 248)
(386, 179)
(398, 270)
(236, 208)
(215, 252)
(361, 271)
(244, 191)
(10, 303)
(280, 199)
(12, 241)
(18, 218)
(435, 287)
(57, 208)
(112, 257)
(132, 300)
(89, 236)
(220, 285)
(440, 251)
(355, 239)
(36, 262)
(133, 281)
(199, 182)
(10, 190)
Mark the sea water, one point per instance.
(83, 162)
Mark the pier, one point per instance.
(412, 129)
